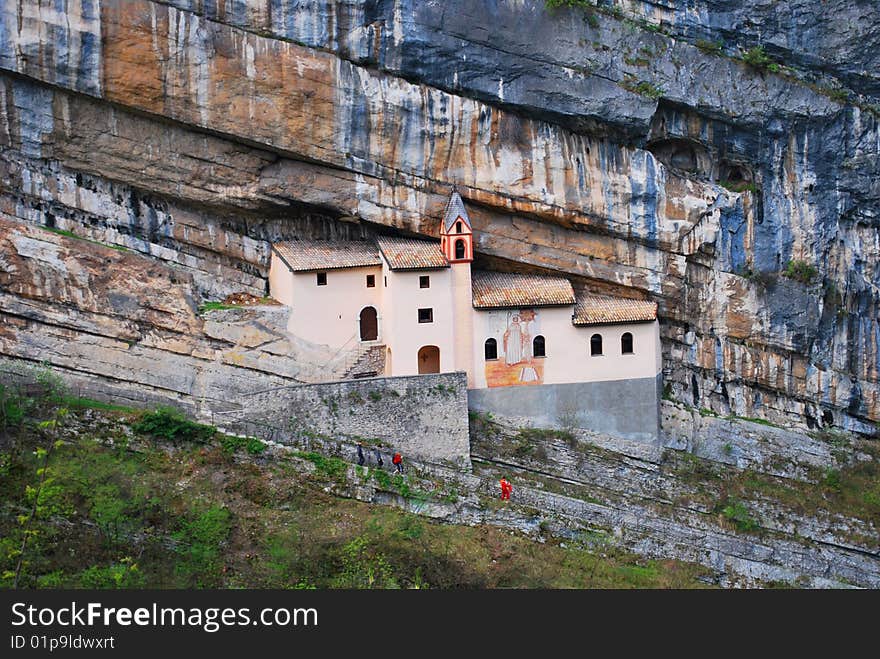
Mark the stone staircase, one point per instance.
(362, 360)
(370, 361)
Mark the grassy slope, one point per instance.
(119, 509)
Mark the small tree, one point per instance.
(758, 59)
(43, 494)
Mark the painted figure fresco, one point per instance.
(515, 364)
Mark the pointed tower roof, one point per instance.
(454, 210)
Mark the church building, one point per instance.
(533, 348)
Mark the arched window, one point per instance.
(538, 347)
(626, 344)
(491, 349)
(596, 345)
(458, 227)
(459, 249)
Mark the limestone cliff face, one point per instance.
(584, 141)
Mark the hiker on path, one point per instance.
(398, 462)
(506, 489)
(379, 460)
(360, 454)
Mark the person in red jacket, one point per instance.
(398, 462)
(506, 489)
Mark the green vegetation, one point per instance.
(75, 403)
(532, 441)
(735, 511)
(850, 489)
(170, 423)
(710, 47)
(636, 61)
(752, 419)
(216, 306)
(201, 538)
(739, 186)
(234, 302)
(71, 234)
(186, 515)
(764, 279)
(13, 407)
(758, 59)
(328, 467)
(231, 444)
(800, 271)
(556, 4)
(836, 94)
(642, 87)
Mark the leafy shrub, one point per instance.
(12, 407)
(124, 574)
(333, 468)
(201, 539)
(642, 88)
(169, 423)
(231, 444)
(108, 511)
(363, 567)
(831, 479)
(800, 271)
(382, 478)
(737, 513)
(758, 59)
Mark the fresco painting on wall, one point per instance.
(516, 365)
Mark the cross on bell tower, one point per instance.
(456, 236)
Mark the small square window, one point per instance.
(322, 279)
(426, 315)
(371, 281)
(424, 281)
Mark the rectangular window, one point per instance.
(371, 281)
(424, 281)
(426, 315)
(322, 279)
(386, 282)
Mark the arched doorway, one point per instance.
(429, 359)
(369, 324)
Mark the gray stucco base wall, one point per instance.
(625, 408)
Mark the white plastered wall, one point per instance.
(330, 315)
(568, 357)
(403, 333)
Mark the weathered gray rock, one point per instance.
(547, 122)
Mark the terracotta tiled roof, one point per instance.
(454, 210)
(305, 256)
(411, 254)
(600, 309)
(500, 290)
